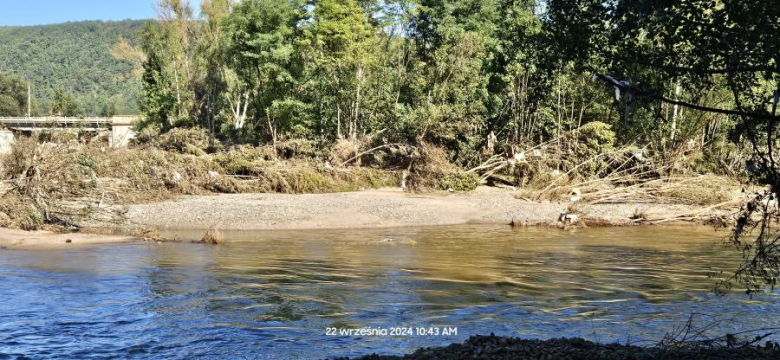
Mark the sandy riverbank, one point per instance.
(378, 208)
(363, 209)
(10, 238)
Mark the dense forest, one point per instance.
(72, 64)
(475, 77)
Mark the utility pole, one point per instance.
(29, 106)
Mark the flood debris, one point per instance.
(585, 166)
(430, 169)
(66, 184)
(212, 237)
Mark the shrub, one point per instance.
(212, 237)
(297, 148)
(193, 141)
(344, 150)
(582, 154)
(596, 137)
(458, 181)
(431, 169)
(244, 159)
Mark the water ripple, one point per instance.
(274, 298)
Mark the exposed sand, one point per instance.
(45, 239)
(374, 208)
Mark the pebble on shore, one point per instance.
(498, 347)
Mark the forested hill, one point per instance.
(74, 57)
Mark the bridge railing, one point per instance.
(62, 120)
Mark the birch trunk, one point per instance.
(359, 77)
(239, 112)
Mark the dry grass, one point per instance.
(698, 190)
(702, 190)
(344, 150)
(431, 169)
(296, 149)
(193, 141)
(601, 173)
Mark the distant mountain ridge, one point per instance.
(74, 56)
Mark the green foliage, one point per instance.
(593, 140)
(338, 49)
(456, 44)
(261, 54)
(717, 56)
(9, 106)
(432, 170)
(13, 95)
(65, 104)
(159, 99)
(596, 138)
(74, 57)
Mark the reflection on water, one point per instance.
(273, 294)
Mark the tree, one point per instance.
(261, 58)
(212, 47)
(66, 105)
(177, 25)
(521, 73)
(13, 95)
(159, 100)
(340, 40)
(456, 44)
(125, 52)
(111, 107)
(169, 93)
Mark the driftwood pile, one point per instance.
(566, 169)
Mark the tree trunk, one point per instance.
(359, 77)
(246, 106)
(676, 110)
(338, 121)
(178, 92)
(210, 117)
(239, 112)
(272, 130)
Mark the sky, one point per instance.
(37, 12)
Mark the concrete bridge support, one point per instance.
(121, 133)
(6, 140)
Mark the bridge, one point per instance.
(121, 127)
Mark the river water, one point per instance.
(274, 295)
